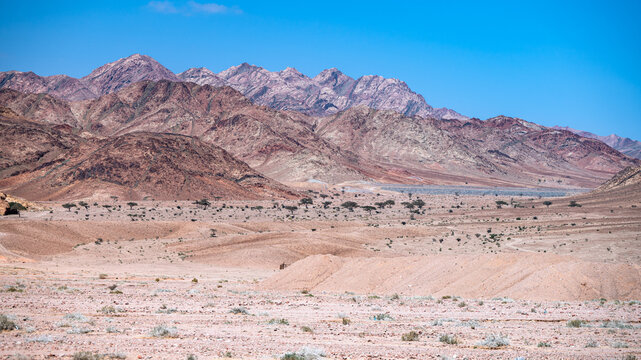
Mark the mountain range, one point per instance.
(625, 145)
(327, 93)
(269, 127)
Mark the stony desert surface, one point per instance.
(459, 278)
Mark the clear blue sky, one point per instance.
(576, 63)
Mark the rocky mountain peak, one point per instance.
(123, 72)
(201, 76)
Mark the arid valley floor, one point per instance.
(165, 280)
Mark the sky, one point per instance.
(568, 63)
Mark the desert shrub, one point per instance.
(620, 345)
(410, 336)
(543, 344)
(616, 325)
(591, 344)
(112, 330)
(279, 321)
(304, 354)
(77, 317)
(462, 304)
(382, 317)
(448, 339)
(307, 329)
(346, 321)
(78, 330)
(108, 309)
(45, 339)
(6, 324)
(164, 331)
(87, 355)
(494, 341)
(576, 323)
(239, 310)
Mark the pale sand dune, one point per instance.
(517, 275)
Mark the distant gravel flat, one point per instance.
(475, 190)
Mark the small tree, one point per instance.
(203, 202)
(573, 203)
(350, 205)
(408, 205)
(390, 203)
(131, 205)
(418, 203)
(68, 206)
(291, 208)
(306, 202)
(369, 208)
(83, 204)
(500, 203)
(380, 204)
(326, 204)
(547, 203)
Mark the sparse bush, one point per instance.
(346, 321)
(239, 310)
(543, 344)
(164, 331)
(410, 336)
(616, 325)
(448, 339)
(45, 339)
(6, 324)
(307, 329)
(279, 321)
(591, 344)
(576, 323)
(87, 355)
(79, 330)
(77, 317)
(494, 341)
(304, 354)
(108, 310)
(382, 317)
(620, 345)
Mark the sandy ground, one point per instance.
(100, 279)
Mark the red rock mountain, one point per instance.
(51, 162)
(356, 144)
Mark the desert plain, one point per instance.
(460, 277)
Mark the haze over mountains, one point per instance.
(330, 128)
